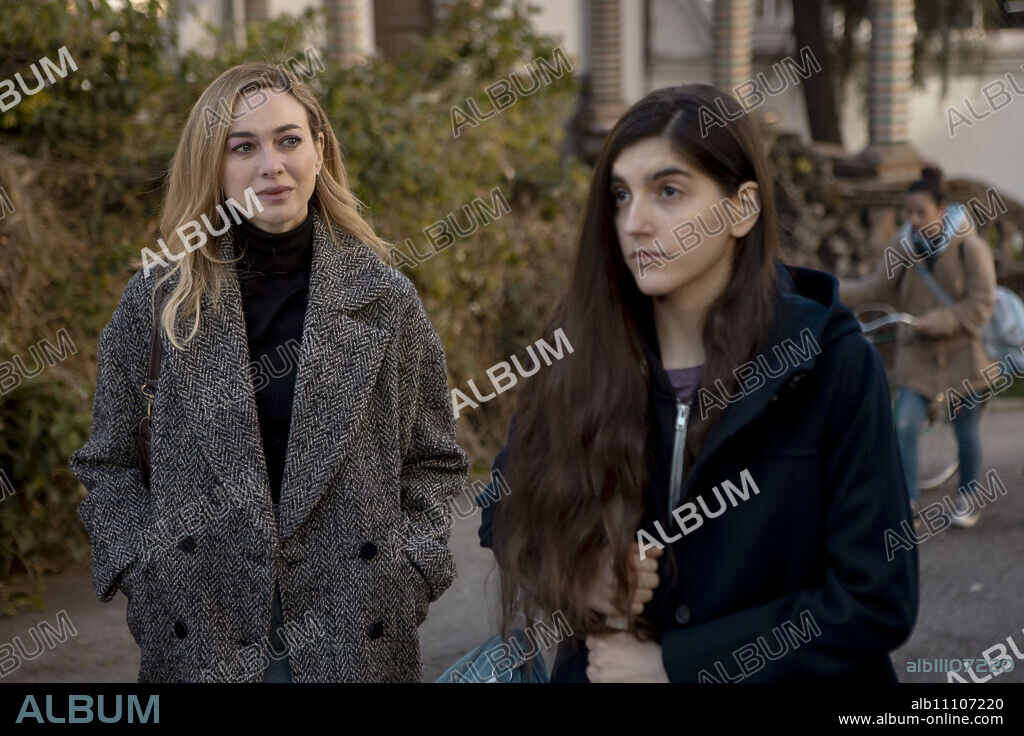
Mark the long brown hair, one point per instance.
(577, 472)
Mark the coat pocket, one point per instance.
(410, 587)
(130, 578)
(415, 589)
(145, 611)
(140, 613)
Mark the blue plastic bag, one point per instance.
(478, 665)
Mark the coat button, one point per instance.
(795, 380)
(376, 630)
(180, 630)
(368, 550)
(188, 544)
(683, 615)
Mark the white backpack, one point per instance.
(1003, 337)
(1004, 334)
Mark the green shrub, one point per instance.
(84, 161)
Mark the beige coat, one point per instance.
(931, 365)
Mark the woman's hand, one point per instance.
(645, 576)
(926, 324)
(620, 657)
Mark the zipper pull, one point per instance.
(682, 415)
(678, 451)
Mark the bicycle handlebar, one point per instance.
(889, 319)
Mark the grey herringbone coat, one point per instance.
(358, 546)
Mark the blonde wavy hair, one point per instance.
(192, 192)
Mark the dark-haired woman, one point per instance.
(719, 406)
(946, 350)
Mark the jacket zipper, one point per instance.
(678, 451)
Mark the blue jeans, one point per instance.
(911, 410)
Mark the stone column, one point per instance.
(732, 51)
(235, 12)
(345, 31)
(889, 89)
(892, 58)
(256, 10)
(605, 63)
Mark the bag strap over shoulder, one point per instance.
(933, 285)
(156, 351)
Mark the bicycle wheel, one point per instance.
(938, 453)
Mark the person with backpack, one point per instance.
(702, 423)
(940, 271)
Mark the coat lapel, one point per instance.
(338, 365)
(215, 384)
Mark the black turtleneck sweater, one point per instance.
(274, 275)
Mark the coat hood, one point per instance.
(806, 303)
(808, 318)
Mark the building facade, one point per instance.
(625, 48)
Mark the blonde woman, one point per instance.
(287, 530)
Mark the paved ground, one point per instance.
(972, 581)
(972, 593)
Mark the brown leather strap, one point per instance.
(156, 349)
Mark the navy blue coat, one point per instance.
(796, 581)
